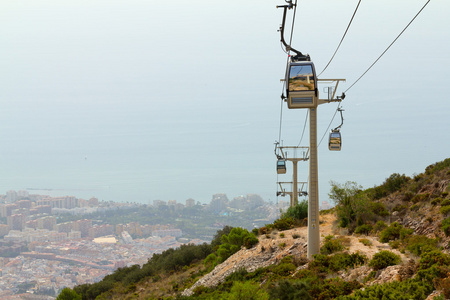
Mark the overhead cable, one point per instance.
(388, 47)
(304, 127)
(329, 125)
(287, 64)
(351, 20)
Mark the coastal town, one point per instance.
(48, 243)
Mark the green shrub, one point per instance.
(444, 202)
(287, 289)
(420, 198)
(298, 212)
(365, 242)
(445, 210)
(233, 242)
(415, 207)
(438, 166)
(398, 290)
(331, 245)
(408, 196)
(395, 244)
(418, 244)
(333, 288)
(399, 207)
(68, 294)
(436, 257)
(392, 184)
(379, 209)
(246, 290)
(393, 232)
(281, 235)
(363, 229)
(384, 259)
(284, 223)
(445, 225)
(332, 263)
(436, 201)
(379, 226)
(284, 269)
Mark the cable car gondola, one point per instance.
(301, 87)
(335, 140)
(281, 166)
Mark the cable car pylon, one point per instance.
(302, 92)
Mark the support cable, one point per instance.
(379, 57)
(388, 47)
(287, 64)
(329, 125)
(351, 20)
(304, 127)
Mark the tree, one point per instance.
(352, 205)
(246, 291)
(68, 294)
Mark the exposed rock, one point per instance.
(389, 274)
(266, 253)
(357, 274)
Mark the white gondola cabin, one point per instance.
(281, 166)
(335, 141)
(301, 85)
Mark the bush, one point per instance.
(363, 229)
(444, 202)
(393, 232)
(365, 242)
(284, 223)
(445, 210)
(379, 209)
(392, 184)
(436, 201)
(384, 259)
(420, 198)
(445, 225)
(232, 242)
(298, 212)
(436, 257)
(379, 226)
(415, 207)
(333, 288)
(438, 166)
(331, 245)
(323, 264)
(286, 289)
(68, 294)
(408, 196)
(401, 290)
(246, 290)
(418, 244)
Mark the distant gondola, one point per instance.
(335, 141)
(281, 166)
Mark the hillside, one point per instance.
(387, 241)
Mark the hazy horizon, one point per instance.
(144, 100)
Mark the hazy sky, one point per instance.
(142, 100)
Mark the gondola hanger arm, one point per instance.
(298, 55)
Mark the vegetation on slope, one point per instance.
(422, 199)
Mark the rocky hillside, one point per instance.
(388, 241)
